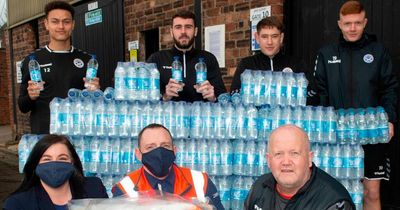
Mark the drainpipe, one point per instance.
(14, 97)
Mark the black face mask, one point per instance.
(158, 161)
(54, 173)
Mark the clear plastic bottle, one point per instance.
(247, 87)
(240, 157)
(143, 82)
(215, 157)
(115, 155)
(201, 71)
(177, 71)
(302, 84)
(361, 127)
(154, 86)
(131, 81)
(226, 152)
(126, 155)
(34, 72)
(120, 78)
(55, 125)
(91, 72)
(383, 124)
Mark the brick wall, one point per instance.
(233, 13)
(24, 42)
(4, 93)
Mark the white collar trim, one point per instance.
(60, 51)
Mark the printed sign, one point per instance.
(256, 15)
(93, 17)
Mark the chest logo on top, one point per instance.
(167, 67)
(78, 63)
(368, 58)
(335, 60)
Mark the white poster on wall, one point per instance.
(18, 66)
(214, 39)
(256, 15)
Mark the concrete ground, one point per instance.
(9, 176)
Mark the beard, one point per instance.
(182, 45)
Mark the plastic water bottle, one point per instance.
(230, 121)
(192, 158)
(242, 122)
(292, 89)
(154, 79)
(383, 125)
(94, 155)
(88, 114)
(259, 88)
(91, 72)
(348, 162)
(208, 121)
(66, 117)
(337, 169)
(135, 116)
(330, 125)
(226, 152)
(361, 126)
(204, 155)
(251, 167)
(119, 83)
(372, 125)
(264, 126)
(201, 71)
(319, 118)
(180, 152)
(262, 163)
(196, 130)
(131, 82)
(224, 189)
(247, 87)
(236, 98)
(126, 155)
(34, 72)
(109, 93)
(341, 126)
(215, 157)
(77, 117)
(252, 115)
(270, 88)
(143, 81)
(112, 118)
(219, 113)
(177, 72)
(358, 161)
(105, 155)
(357, 194)
(284, 88)
(317, 157)
(101, 127)
(351, 125)
(23, 152)
(302, 84)
(240, 157)
(326, 158)
(169, 117)
(55, 106)
(224, 98)
(115, 155)
(238, 193)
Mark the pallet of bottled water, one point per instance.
(137, 81)
(273, 88)
(362, 126)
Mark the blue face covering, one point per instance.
(158, 161)
(55, 173)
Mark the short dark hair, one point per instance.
(352, 7)
(185, 15)
(58, 5)
(152, 126)
(270, 22)
(31, 179)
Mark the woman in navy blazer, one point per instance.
(53, 175)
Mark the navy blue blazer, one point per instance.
(37, 198)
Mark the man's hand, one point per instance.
(207, 90)
(391, 131)
(172, 89)
(34, 89)
(93, 84)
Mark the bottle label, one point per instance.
(177, 75)
(126, 157)
(105, 157)
(94, 156)
(294, 92)
(115, 157)
(36, 76)
(201, 76)
(154, 84)
(239, 194)
(240, 159)
(91, 73)
(225, 194)
(119, 83)
(227, 159)
(337, 162)
(216, 158)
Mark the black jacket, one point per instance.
(279, 62)
(60, 72)
(320, 192)
(357, 74)
(164, 59)
(37, 198)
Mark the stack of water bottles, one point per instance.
(273, 88)
(363, 126)
(25, 146)
(137, 81)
